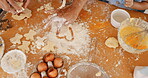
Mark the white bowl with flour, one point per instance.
(13, 61)
(118, 16)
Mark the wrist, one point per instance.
(78, 4)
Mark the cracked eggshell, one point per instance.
(2, 47)
(13, 61)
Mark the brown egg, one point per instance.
(35, 75)
(48, 57)
(58, 62)
(42, 67)
(63, 77)
(46, 77)
(52, 72)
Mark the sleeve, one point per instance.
(139, 0)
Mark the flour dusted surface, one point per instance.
(80, 43)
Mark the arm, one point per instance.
(140, 5)
(78, 4)
(136, 5)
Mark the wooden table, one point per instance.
(116, 62)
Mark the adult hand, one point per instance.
(12, 6)
(129, 3)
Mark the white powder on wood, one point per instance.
(23, 72)
(80, 43)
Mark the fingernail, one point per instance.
(18, 11)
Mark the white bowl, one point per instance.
(13, 61)
(118, 16)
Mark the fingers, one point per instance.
(128, 3)
(26, 3)
(4, 4)
(16, 6)
(20, 0)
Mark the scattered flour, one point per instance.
(80, 43)
(23, 72)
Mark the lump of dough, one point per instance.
(111, 42)
(26, 14)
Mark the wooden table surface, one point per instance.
(116, 62)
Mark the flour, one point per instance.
(80, 44)
(23, 72)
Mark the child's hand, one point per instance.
(128, 3)
(69, 13)
(11, 6)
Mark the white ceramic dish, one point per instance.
(13, 61)
(140, 72)
(118, 16)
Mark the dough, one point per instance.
(40, 42)
(30, 35)
(13, 61)
(2, 47)
(49, 47)
(111, 42)
(25, 46)
(16, 39)
(46, 7)
(25, 14)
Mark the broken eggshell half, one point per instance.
(13, 61)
